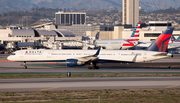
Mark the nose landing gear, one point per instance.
(24, 65)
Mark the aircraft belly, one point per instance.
(117, 47)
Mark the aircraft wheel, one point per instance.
(89, 67)
(97, 67)
(93, 67)
(25, 67)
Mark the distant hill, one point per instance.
(169, 3)
(15, 5)
(22, 5)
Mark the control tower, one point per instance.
(130, 12)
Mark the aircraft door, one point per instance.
(119, 55)
(49, 55)
(21, 55)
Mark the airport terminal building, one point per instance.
(31, 35)
(48, 33)
(70, 18)
(147, 33)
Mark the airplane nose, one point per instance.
(9, 58)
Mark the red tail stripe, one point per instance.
(132, 39)
(136, 35)
(128, 44)
(138, 27)
(136, 31)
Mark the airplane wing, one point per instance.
(89, 58)
(134, 59)
(82, 60)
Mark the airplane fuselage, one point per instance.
(42, 55)
(114, 44)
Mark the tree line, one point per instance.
(29, 17)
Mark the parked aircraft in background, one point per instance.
(177, 40)
(172, 39)
(2, 47)
(91, 57)
(115, 44)
(172, 45)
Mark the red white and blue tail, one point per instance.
(135, 34)
(161, 43)
(97, 36)
(172, 39)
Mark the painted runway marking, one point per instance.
(6, 61)
(49, 88)
(172, 86)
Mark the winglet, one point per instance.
(120, 48)
(161, 43)
(97, 53)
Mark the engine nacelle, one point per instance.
(73, 63)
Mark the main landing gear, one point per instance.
(24, 65)
(92, 65)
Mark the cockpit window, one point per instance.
(13, 54)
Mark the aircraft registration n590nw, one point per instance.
(156, 50)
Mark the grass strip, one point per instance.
(95, 96)
(80, 75)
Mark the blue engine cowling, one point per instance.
(73, 63)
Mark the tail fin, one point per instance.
(161, 43)
(172, 39)
(178, 39)
(135, 34)
(97, 36)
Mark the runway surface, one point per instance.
(15, 68)
(54, 84)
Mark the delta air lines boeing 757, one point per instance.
(156, 50)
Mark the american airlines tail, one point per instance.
(172, 38)
(134, 39)
(135, 34)
(161, 43)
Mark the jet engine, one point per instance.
(74, 62)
